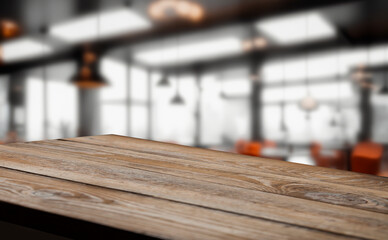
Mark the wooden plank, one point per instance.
(276, 167)
(141, 214)
(361, 198)
(253, 203)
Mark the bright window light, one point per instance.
(297, 28)
(236, 87)
(190, 52)
(112, 22)
(23, 48)
(116, 73)
(321, 91)
(34, 109)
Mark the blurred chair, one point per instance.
(269, 144)
(366, 157)
(248, 148)
(336, 159)
(383, 173)
(239, 146)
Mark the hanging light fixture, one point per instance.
(9, 29)
(163, 82)
(362, 74)
(308, 103)
(283, 127)
(163, 10)
(384, 89)
(177, 99)
(333, 121)
(89, 76)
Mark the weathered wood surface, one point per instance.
(179, 192)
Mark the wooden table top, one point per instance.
(178, 192)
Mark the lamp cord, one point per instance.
(307, 60)
(177, 62)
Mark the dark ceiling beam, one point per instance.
(66, 55)
(377, 68)
(258, 55)
(247, 12)
(86, 6)
(12, 11)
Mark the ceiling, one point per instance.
(358, 22)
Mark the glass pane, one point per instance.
(138, 84)
(212, 111)
(271, 116)
(380, 116)
(175, 123)
(236, 120)
(114, 119)
(139, 121)
(323, 91)
(116, 74)
(34, 109)
(4, 108)
(62, 109)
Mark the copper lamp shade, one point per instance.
(8, 29)
(88, 77)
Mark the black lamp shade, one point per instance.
(164, 82)
(89, 77)
(384, 89)
(177, 100)
(333, 123)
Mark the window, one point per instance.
(175, 123)
(124, 102)
(60, 109)
(225, 108)
(34, 109)
(328, 85)
(114, 108)
(4, 108)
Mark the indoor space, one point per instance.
(304, 84)
(255, 81)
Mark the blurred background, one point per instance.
(291, 80)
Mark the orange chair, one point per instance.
(366, 157)
(239, 146)
(336, 161)
(252, 149)
(383, 173)
(269, 144)
(248, 148)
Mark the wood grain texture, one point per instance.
(267, 195)
(367, 199)
(259, 164)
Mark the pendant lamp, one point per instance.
(308, 103)
(89, 77)
(384, 89)
(164, 82)
(177, 99)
